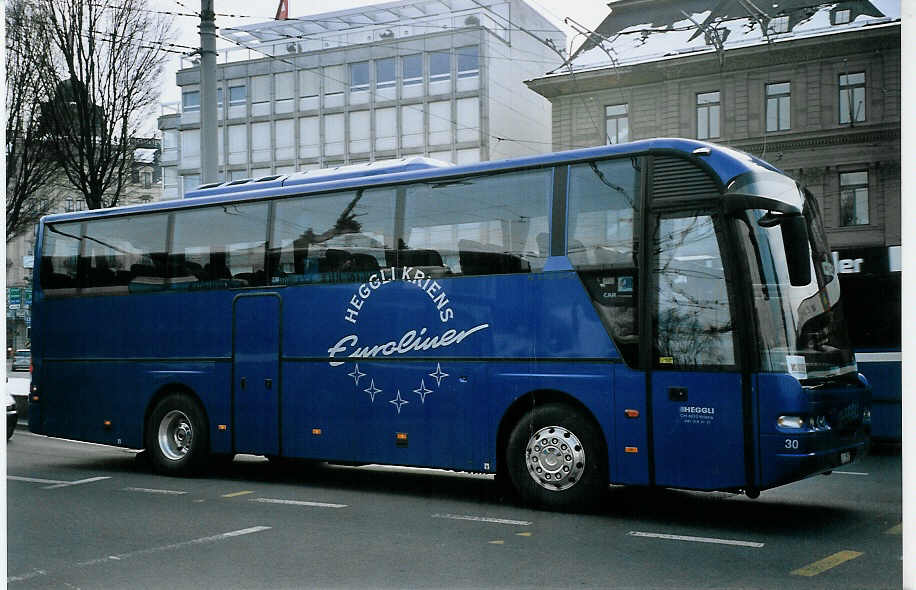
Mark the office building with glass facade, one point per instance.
(443, 79)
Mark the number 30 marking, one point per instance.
(791, 443)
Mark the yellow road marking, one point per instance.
(896, 530)
(234, 494)
(819, 567)
(523, 534)
(498, 542)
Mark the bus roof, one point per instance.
(726, 163)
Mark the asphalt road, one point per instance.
(87, 516)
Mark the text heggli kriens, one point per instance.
(411, 340)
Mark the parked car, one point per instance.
(22, 360)
(11, 415)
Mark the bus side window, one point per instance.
(59, 255)
(120, 254)
(219, 246)
(602, 244)
(693, 322)
(461, 234)
(337, 237)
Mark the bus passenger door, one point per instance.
(696, 385)
(255, 369)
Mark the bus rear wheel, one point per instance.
(177, 436)
(556, 459)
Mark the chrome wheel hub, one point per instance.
(555, 458)
(176, 435)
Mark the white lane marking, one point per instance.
(151, 550)
(483, 519)
(297, 503)
(850, 473)
(154, 491)
(173, 546)
(27, 576)
(696, 539)
(75, 483)
(76, 443)
(33, 479)
(55, 483)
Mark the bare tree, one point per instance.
(29, 169)
(102, 79)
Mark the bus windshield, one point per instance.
(801, 328)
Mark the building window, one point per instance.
(147, 179)
(260, 95)
(189, 183)
(190, 101)
(616, 124)
(779, 106)
(412, 69)
(708, 107)
(468, 61)
(238, 95)
(841, 17)
(779, 24)
(412, 127)
(284, 85)
(169, 139)
(468, 110)
(854, 198)
(852, 98)
(260, 142)
(384, 73)
(439, 127)
(359, 76)
(439, 66)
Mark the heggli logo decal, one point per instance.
(414, 339)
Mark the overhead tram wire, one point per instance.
(552, 46)
(159, 45)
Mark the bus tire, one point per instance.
(177, 438)
(556, 459)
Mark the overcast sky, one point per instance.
(586, 12)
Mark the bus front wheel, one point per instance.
(556, 458)
(176, 435)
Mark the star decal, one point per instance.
(438, 375)
(372, 390)
(398, 402)
(356, 374)
(422, 392)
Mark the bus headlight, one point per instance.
(790, 422)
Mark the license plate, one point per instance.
(845, 457)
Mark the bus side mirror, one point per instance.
(798, 258)
(794, 230)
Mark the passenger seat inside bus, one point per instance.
(426, 260)
(483, 259)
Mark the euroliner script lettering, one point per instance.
(410, 341)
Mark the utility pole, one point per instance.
(208, 119)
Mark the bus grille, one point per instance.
(676, 177)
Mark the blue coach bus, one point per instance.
(664, 312)
(870, 281)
